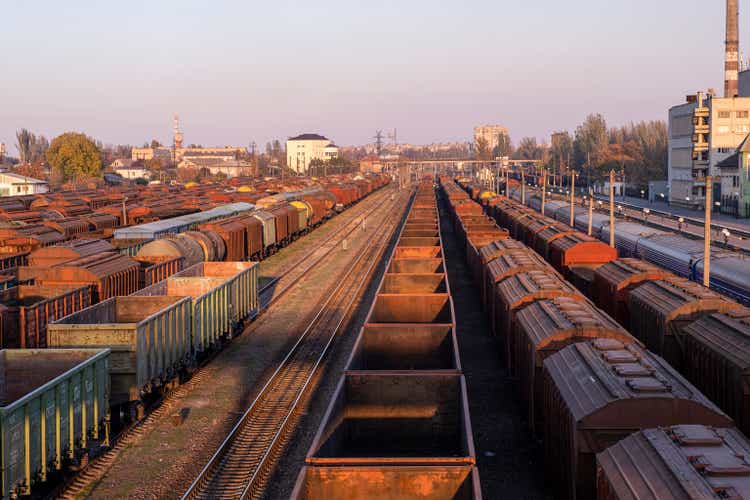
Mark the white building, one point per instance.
(703, 132)
(303, 149)
(490, 134)
(212, 166)
(132, 172)
(14, 185)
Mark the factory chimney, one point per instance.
(731, 62)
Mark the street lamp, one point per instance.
(680, 221)
(646, 211)
(726, 234)
(643, 194)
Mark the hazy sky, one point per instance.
(237, 71)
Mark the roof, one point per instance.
(332, 145)
(745, 145)
(731, 161)
(309, 137)
(22, 178)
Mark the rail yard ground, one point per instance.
(164, 460)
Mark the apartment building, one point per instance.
(490, 134)
(703, 132)
(303, 149)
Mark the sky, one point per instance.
(243, 71)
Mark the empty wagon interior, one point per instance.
(405, 347)
(131, 309)
(416, 266)
(24, 370)
(414, 283)
(412, 308)
(401, 416)
(183, 287)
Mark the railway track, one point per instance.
(244, 460)
(291, 274)
(268, 294)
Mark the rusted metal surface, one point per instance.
(424, 415)
(717, 361)
(403, 482)
(597, 393)
(67, 251)
(416, 266)
(579, 249)
(405, 347)
(503, 267)
(613, 282)
(26, 310)
(108, 274)
(676, 463)
(517, 292)
(660, 310)
(155, 269)
(412, 308)
(418, 252)
(414, 283)
(547, 326)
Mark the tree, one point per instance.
(34, 170)
(528, 149)
(504, 146)
(155, 144)
(482, 150)
(591, 139)
(30, 147)
(74, 156)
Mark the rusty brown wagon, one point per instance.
(597, 394)
(614, 281)
(660, 310)
(676, 463)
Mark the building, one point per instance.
(133, 171)
(703, 132)
(147, 154)
(212, 166)
(2, 152)
(14, 185)
(490, 134)
(371, 164)
(303, 149)
(735, 183)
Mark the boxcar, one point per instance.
(613, 282)
(717, 361)
(507, 265)
(548, 326)
(67, 251)
(150, 337)
(53, 402)
(268, 220)
(155, 269)
(596, 394)
(108, 274)
(675, 463)
(661, 309)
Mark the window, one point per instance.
(735, 181)
(724, 114)
(724, 150)
(742, 114)
(723, 129)
(743, 128)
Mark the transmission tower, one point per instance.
(379, 142)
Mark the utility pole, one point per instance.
(544, 189)
(707, 233)
(523, 187)
(612, 208)
(572, 198)
(591, 211)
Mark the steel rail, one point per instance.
(281, 394)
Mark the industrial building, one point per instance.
(15, 185)
(303, 149)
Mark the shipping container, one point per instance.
(675, 463)
(150, 337)
(54, 401)
(596, 394)
(26, 310)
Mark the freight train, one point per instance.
(588, 383)
(133, 313)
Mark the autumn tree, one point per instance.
(504, 146)
(482, 150)
(528, 149)
(591, 139)
(74, 156)
(30, 147)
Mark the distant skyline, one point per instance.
(237, 71)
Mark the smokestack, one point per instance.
(731, 61)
